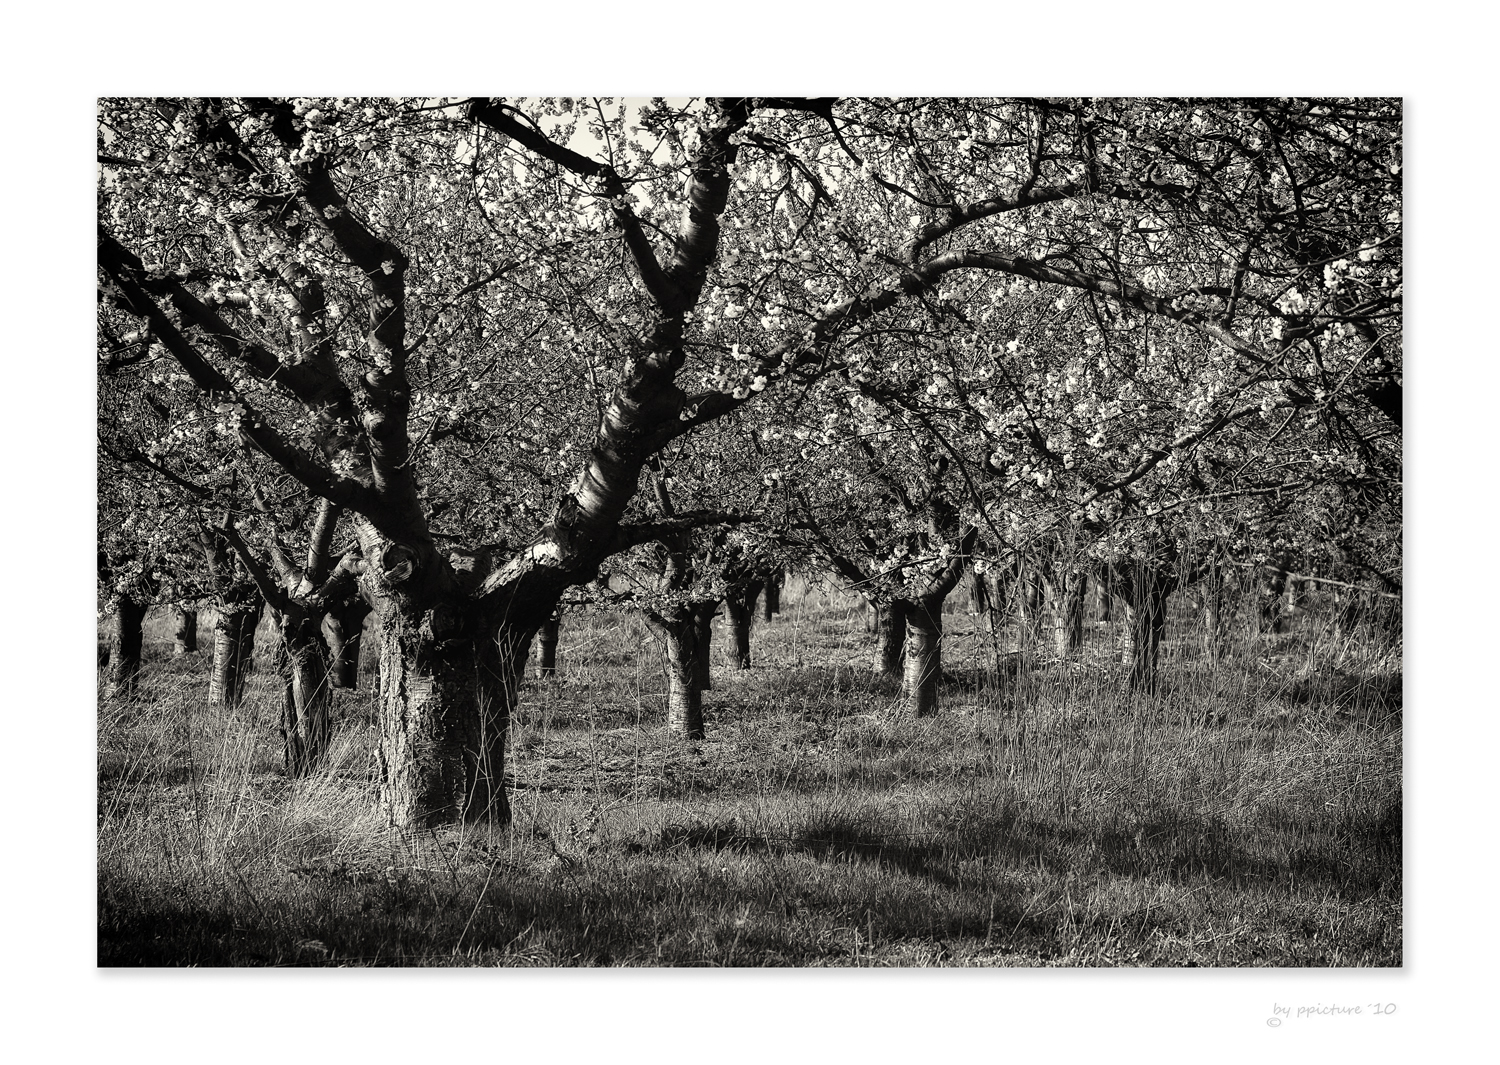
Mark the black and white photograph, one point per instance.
(750, 531)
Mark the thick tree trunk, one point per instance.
(1067, 612)
(447, 686)
(234, 647)
(306, 722)
(924, 661)
(343, 629)
(741, 608)
(184, 630)
(771, 600)
(686, 661)
(703, 615)
(890, 635)
(126, 638)
(547, 666)
(1145, 590)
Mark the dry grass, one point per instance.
(1251, 815)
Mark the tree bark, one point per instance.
(547, 666)
(1144, 588)
(343, 629)
(1030, 603)
(741, 608)
(890, 635)
(681, 631)
(703, 628)
(1106, 603)
(234, 649)
(979, 595)
(184, 630)
(126, 639)
(302, 661)
(1269, 591)
(1215, 619)
(924, 660)
(1067, 611)
(447, 687)
(771, 600)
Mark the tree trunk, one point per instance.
(979, 595)
(924, 662)
(741, 607)
(1145, 590)
(771, 600)
(126, 638)
(1296, 595)
(990, 589)
(703, 626)
(1268, 607)
(343, 629)
(547, 667)
(302, 662)
(447, 686)
(890, 635)
(682, 632)
(1030, 602)
(234, 647)
(1215, 620)
(184, 630)
(1347, 611)
(1067, 612)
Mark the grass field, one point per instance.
(1251, 815)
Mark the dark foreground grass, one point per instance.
(1250, 815)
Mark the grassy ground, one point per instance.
(1251, 815)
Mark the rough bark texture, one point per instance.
(446, 690)
(741, 607)
(547, 638)
(703, 627)
(343, 629)
(302, 661)
(184, 630)
(234, 648)
(890, 635)
(924, 661)
(684, 658)
(1067, 593)
(1144, 588)
(126, 638)
(1106, 603)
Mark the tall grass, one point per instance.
(1250, 814)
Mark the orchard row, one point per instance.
(462, 362)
